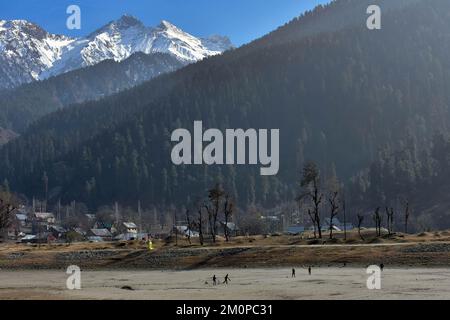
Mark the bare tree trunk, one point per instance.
(189, 226)
(377, 219)
(200, 226)
(215, 196)
(6, 212)
(360, 221)
(333, 200)
(214, 227)
(407, 212)
(210, 222)
(388, 218)
(345, 221)
(228, 211)
(317, 201)
(311, 216)
(175, 226)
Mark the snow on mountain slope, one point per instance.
(217, 43)
(27, 52)
(121, 38)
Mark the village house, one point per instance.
(99, 235)
(58, 232)
(22, 219)
(44, 217)
(337, 225)
(130, 231)
(44, 237)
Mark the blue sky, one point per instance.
(241, 20)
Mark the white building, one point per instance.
(131, 231)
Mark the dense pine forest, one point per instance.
(370, 107)
(21, 106)
(408, 175)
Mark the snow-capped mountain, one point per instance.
(26, 50)
(29, 53)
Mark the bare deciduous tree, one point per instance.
(407, 214)
(390, 219)
(378, 220)
(227, 211)
(310, 184)
(6, 213)
(313, 221)
(175, 226)
(215, 196)
(189, 225)
(200, 225)
(334, 209)
(360, 222)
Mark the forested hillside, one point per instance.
(338, 96)
(22, 106)
(408, 175)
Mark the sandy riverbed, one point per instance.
(325, 283)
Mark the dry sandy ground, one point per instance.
(253, 284)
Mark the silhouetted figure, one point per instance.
(214, 280)
(227, 278)
(293, 273)
(310, 270)
(382, 267)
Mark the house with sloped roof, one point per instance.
(44, 217)
(57, 231)
(130, 231)
(103, 234)
(22, 219)
(337, 225)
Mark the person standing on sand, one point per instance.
(214, 280)
(293, 273)
(309, 270)
(227, 278)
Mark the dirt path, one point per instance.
(325, 283)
